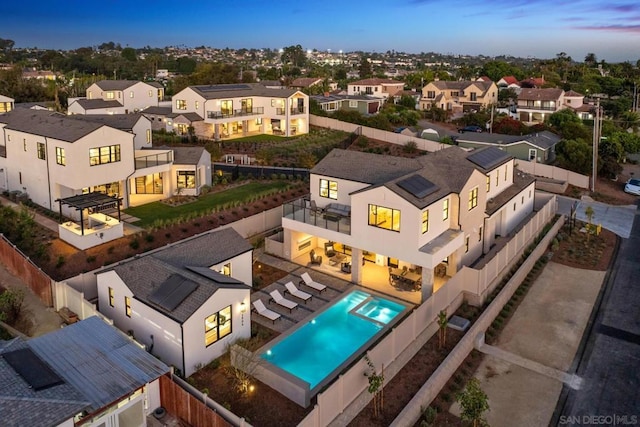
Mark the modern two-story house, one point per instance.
(430, 215)
(185, 302)
(376, 87)
(459, 96)
(117, 97)
(237, 110)
(535, 105)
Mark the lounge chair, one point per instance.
(259, 308)
(315, 259)
(277, 297)
(307, 280)
(291, 288)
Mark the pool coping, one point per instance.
(300, 391)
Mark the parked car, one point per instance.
(633, 186)
(470, 128)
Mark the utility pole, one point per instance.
(597, 130)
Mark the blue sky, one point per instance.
(539, 28)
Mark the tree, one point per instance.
(575, 155)
(294, 55)
(376, 386)
(610, 154)
(365, 70)
(442, 332)
(591, 59)
(473, 403)
(129, 54)
(630, 120)
(11, 305)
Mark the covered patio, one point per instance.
(94, 226)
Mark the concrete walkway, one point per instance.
(618, 219)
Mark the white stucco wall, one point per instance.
(497, 179)
(241, 267)
(142, 133)
(190, 96)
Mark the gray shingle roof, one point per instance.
(192, 117)
(544, 139)
(238, 90)
(98, 360)
(547, 94)
(124, 122)
(144, 274)
(187, 155)
(520, 181)
(20, 405)
(97, 104)
(160, 111)
(116, 84)
(48, 124)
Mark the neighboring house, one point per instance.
(180, 123)
(376, 87)
(535, 105)
(237, 110)
(85, 374)
(573, 99)
(158, 117)
(51, 156)
(412, 93)
(186, 302)
(509, 82)
(272, 84)
(45, 105)
(363, 104)
(440, 211)
(6, 104)
(39, 75)
(459, 96)
(118, 97)
(535, 147)
(302, 83)
(136, 124)
(533, 82)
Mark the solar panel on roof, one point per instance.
(488, 158)
(32, 369)
(418, 185)
(214, 275)
(172, 292)
(220, 88)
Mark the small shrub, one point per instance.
(60, 261)
(410, 147)
(167, 235)
(91, 258)
(149, 238)
(134, 244)
(110, 250)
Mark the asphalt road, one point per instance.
(609, 363)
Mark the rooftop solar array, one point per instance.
(222, 88)
(214, 275)
(172, 292)
(488, 158)
(32, 369)
(418, 185)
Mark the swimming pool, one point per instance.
(321, 346)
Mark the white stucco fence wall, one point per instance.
(553, 172)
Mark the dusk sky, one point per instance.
(538, 28)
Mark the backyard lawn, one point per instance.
(153, 213)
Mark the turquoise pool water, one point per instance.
(316, 349)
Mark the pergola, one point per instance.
(94, 202)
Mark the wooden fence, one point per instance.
(22, 267)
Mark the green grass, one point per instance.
(154, 212)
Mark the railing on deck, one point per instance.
(154, 160)
(297, 210)
(235, 113)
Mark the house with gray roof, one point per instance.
(430, 215)
(186, 302)
(136, 123)
(88, 373)
(459, 96)
(364, 104)
(241, 109)
(535, 105)
(117, 97)
(535, 147)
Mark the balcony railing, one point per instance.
(537, 107)
(298, 110)
(297, 211)
(154, 160)
(235, 113)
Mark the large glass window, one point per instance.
(473, 198)
(425, 221)
(226, 107)
(41, 151)
(181, 104)
(104, 155)
(329, 189)
(186, 179)
(226, 269)
(246, 105)
(111, 95)
(445, 209)
(60, 157)
(217, 326)
(386, 218)
(149, 184)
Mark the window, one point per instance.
(181, 104)
(488, 183)
(522, 201)
(466, 244)
(20, 177)
(353, 104)
(226, 269)
(24, 144)
(425, 221)
(259, 121)
(497, 177)
(127, 306)
(445, 209)
(60, 157)
(149, 184)
(226, 107)
(246, 105)
(112, 298)
(473, 198)
(111, 95)
(480, 234)
(329, 189)
(42, 154)
(386, 218)
(104, 155)
(186, 179)
(505, 172)
(131, 94)
(150, 93)
(514, 206)
(529, 193)
(148, 136)
(431, 94)
(473, 96)
(182, 128)
(532, 154)
(217, 326)
(455, 93)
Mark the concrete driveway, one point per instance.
(618, 219)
